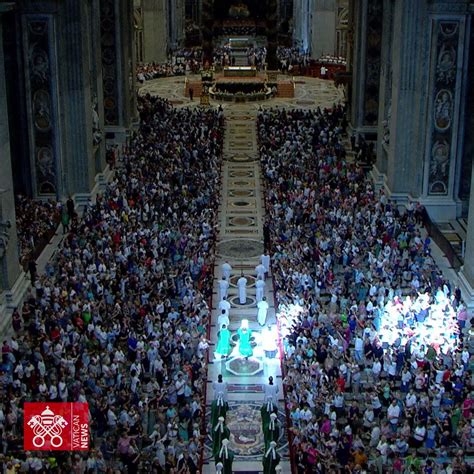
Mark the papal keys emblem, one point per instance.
(47, 426)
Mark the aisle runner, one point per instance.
(241, 244)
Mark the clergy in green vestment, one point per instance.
(219, 432)
(224, 458)
(219, 409)
(271, 459)
(271, 432)
(223, 342)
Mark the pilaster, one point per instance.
(12, 278)
(118, 67)
(406, 114)
(155, 42)
(449, 40)
(76, 97)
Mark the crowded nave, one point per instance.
(234, 236)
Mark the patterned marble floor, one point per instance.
(310, 92)
(241, 235)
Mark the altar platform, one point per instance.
(234, 84)
(240, 71)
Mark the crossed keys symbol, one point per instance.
(47, 424)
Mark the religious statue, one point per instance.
(96, 131)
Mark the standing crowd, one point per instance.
(121, 321)
(36, 222)
(378, 368)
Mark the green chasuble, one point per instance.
(245, 348)
(223, 344)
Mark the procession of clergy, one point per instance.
(271, 431)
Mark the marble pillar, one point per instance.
(447, 85)
(366, 52)
(302, 16)
(155, 42)
(385, 94)
(118, 68)
(422, 82)
(75, 97)
(13, 283)
(40, 67)
(323, 27)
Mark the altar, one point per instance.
(240, 71)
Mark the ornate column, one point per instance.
(272, 35)
(41, 84)
(323, 37)
(366, 65)
(12, 278)
(155, 43)
(449, 41)
(207, 21)
(73, 38)
(385, 96)
(118, 67)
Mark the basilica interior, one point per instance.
(241, 232)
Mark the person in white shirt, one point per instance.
(226, 270)
(376, 369)
(271, 394)
(410, 400)
(223, 319)
(262, 311)
(242, 285)
(220, 389)
(260, 270)
(224, 305)
(265, 260)
(223, 287)
(260, 286)
(358, 348)
(393, 413)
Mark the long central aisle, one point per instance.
(241, 245)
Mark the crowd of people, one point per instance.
(121, 321)
(378, 372)
(36, 222)
(181, 62)
(291, 57)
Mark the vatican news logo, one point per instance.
(56, 426)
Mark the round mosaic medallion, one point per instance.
(241, 193)
(249, 302)
(242, 183)
(241, 204)
(240, 248)
(250, 280)
(246, 174)
(242, 221)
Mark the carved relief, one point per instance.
(373, 59)
(109, 61)
(446, 41)
(39, 78)
(443, 110)
(446, 66)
